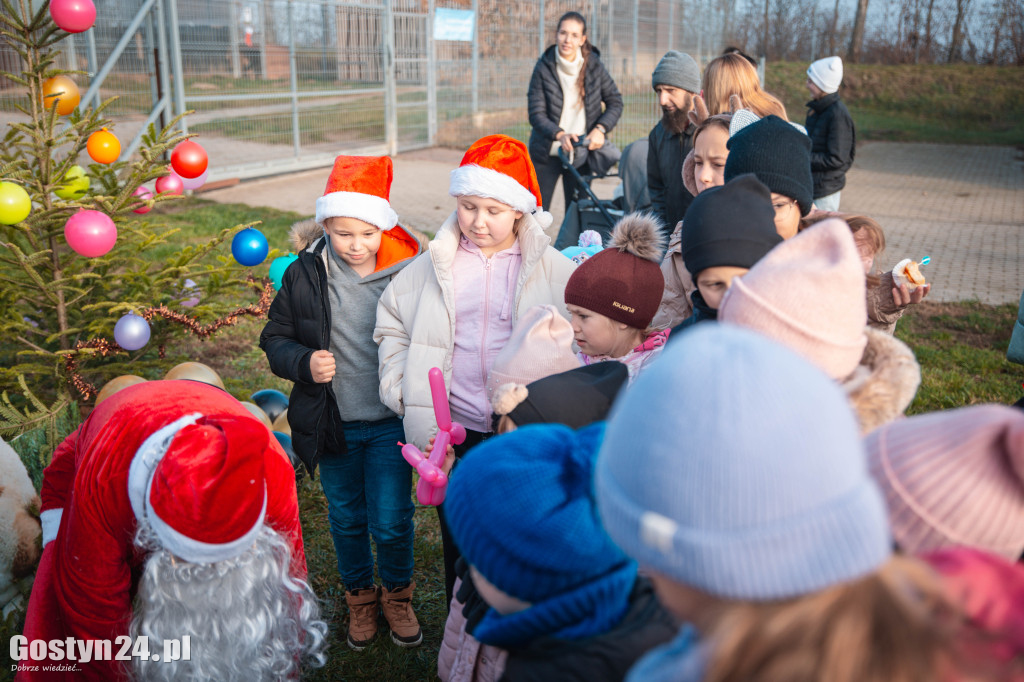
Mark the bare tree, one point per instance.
(928, 36)
(963, 7)
(833, 36)
(857, 40)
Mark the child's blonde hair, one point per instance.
(857, 223)
(731, 74)
(894, 625)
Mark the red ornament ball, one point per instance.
(189, 160)
(73, 16)
(143, 193)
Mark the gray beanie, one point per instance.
(678, 70)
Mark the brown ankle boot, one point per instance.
(397, 608)
(362, 616)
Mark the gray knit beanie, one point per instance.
(678, 70)
(767, 493)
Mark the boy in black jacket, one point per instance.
(320, 335)
(833, 139)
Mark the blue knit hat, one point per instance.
(521, 509)
(737, 469)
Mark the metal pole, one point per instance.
(431, 77)
(636, 31)
(476, 56)
(151, 51)
(390, 95)
(609, 42)
(163, 73)
(296, 137)
(236, 59)
(671, 24)
(540, 29)
(90, 41)
(176, 67)
(72, 55)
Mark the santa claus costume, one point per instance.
(191, 466)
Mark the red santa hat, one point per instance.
(199, 482)
(359, 187)
(498, 167)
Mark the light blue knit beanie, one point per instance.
(736, 468)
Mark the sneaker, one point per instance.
(397, 608)
(362, 616)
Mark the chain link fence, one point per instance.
(279, 85)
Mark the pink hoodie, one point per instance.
(484, 305)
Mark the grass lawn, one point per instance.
(961, 348)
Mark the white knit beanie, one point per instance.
(826, 73)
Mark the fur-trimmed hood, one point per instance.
(304, 234)
(885, 382)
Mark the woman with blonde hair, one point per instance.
(731, 74)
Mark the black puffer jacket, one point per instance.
(299, 324)
(545, 100)
(833, 143)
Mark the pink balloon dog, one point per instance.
(433, 483)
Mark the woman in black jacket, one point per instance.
(571, 96)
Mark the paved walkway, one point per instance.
(962, 205)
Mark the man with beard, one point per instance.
(676, 79)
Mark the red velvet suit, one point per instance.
(88, 574)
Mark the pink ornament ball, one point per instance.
(90, 233)
(194, 183)
(169, 184)
(143, 193)
(73, 16)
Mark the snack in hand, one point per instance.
(908, 272)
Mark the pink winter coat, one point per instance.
(462, 658)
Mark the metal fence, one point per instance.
(279, 85)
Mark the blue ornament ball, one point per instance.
(278, 266)
(249, 247)
(131, 332)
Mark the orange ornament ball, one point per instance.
(63, 92)
(103, 146)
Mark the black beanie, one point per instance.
(575, 398)
(778, 154)
(729, 225)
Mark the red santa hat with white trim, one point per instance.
(200, 484)
(498, 167)
(359, 187)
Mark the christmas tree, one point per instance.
(81, 298)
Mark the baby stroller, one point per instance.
(586, 211)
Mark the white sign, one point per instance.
(453, 24)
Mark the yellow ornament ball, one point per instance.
(281, 423)
(196, 371)
(76, 182)
(63, 92)
(15, 203)
(259, 414)
(116, 384)
(103, 146)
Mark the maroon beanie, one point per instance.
(623, 282)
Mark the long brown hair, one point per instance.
(584, 49)
(894, 625)
(731, 74)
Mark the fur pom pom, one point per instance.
(543, 218)
(304, 233)
(507, 396)
(640, 235)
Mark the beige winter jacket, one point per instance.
(416, 318)
(676, 305)
(885, 382)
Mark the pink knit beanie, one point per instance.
(953, 478)
(808, 293)
(540, 345)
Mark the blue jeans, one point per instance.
(369, 492)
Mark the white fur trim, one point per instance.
(477, 181)
(196, 552)
(366, 207)
(50, 521)
(140, 481)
